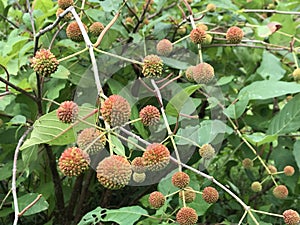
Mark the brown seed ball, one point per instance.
(280, 192)
(65, 3)
(272, 169)
(74, 33)
(67, 112)
(164, 47)
(189, 74)
(291, 217)
(91, 140)
(180, 179)
(66, 17)
(207, 151)
(234, 35)
(138, 165)
(296, 74)
(96, 28)
(156, 199)
(129, 21)
(73, 161)
(150, 115)
(114, 172)
(210, 195)
(153, 66)
(116, 110)
(197, 35)
(139, 177)
(156, 156)
(202, 26)
(256, 186)
(186, 216)
(203, 73)
(211, 7)
(44, 62)
(189, 194)
(247, 163)
(289, 170)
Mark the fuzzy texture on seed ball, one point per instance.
(65, 3)
(138, 165)
(280, 192)
(164, 47)
(73, 161)
(289, 171)
(74, 33)
(210, 195)
(180, 179)
(66, 17)
(247, 163)
(150, 115)
(296, 74)
(256, 186)
(67, 112)
(156, 199)
(234, 35)
(186, 216)
(156, 156)
(44, 62)
(197, 35)
(291, 217)
(272, 169)
(189, 73)
(207, 151)
(91, 140)
(96, 28)
(211, 7)
(189, 194)
(116, 110)
(114, 172)
(153, 66)
(203, 73)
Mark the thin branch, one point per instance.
(12, 23)
(30, 205)
(31, 17)
(269, 11)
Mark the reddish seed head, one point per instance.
(180, 180)
(280, 192)
(210, 195)
(234, 35)
(289, 170)
(67, 112)
(197, 35)
(186, 216)
(203, 73)
(64, 3)
(44, 62)
(74, 33)
(96, 28)
(138, 165)
(291, 217)
(164, 47)
(150, 115)
(153, 66)
(156, 156)
(156, 199)
(91, 140)
(73, 161)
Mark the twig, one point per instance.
(30, 205)
(31, 17)
(269, 11)
(12, 23)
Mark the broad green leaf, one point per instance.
(260, 138)
(118, 147)
(39, 206)
(176, 104)
(61, 73)
(266, 89)
(123, 216)
(225, 80)
(110, 5)
(288, 119)
(270, 67)
(296, 152)
(5, 101)
(235, 110)
(176, 64)
(18, 119)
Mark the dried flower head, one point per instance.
(156, 156)
(44, 62)
(67, 112)
(153, 66)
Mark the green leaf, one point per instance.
(296, 152)
(235, 110)
(176, 104)
(5, 101)
(269, 89)
(176, 64)
(260, 138)
(61, 73)
(288, 119)
(111, 5)
(39, 206)
(224, 80)
(18, 119)
(123, 216)
(118, 147)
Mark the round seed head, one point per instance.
(256, 186)
(247, 163)
(207, 40)
(164, 47)
(138, 165)
(296, 74)
(150, 115)
(116, 110)
(202, 26)
(189, 194)
(74, 33)
(65, 3)
(91, 140)
(189, 73)
(207, 151)
(156, 156)
(139, 177)
(153, 66)
(203, 73)
(291, 217)
(67, 17)
(234, 35)
(210, 195)
(197, 35)
(180, 180)
(73, 161)
(44, 62)
(67, 112)
(280, 192)
(289, 170)
(272, 169)
(186, 216)
(96, 28)
(114, 172)
(211, 7)
(156, 199)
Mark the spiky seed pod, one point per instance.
(114, 172)
(180, 179)
(272, 169)
(156, 156)
(138, 177)
(211, 7)
(296, 74)
(44, 62)
(197, 35)
(150, 115)
(66, 17)
(116, 110)
(207, 151)
(202, 26)
(189, 194)
(234, 35)
(96, 28)
(67, 112)
(74, 33)
(203, 73)
(138, 165)
(73, 161)
(91, 140)
(164, 47)
(156, 199)
(210, 195)
(186, 216)
(289, 171)
(65, 3)
(189, 74)
(153, 66)
(247, 163)
(280, 192)
(256, 186)
(291, 217)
